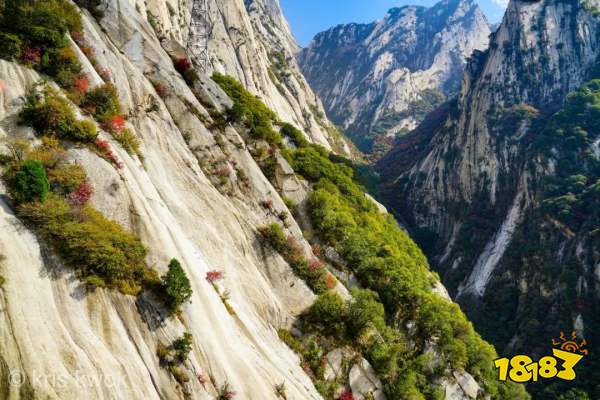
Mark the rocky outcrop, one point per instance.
(364, 382)
(379, 80)
(251, 41)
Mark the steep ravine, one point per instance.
(500, 185)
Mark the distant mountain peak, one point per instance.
(377, 80)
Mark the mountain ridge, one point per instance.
(383, 86)
(488, 183)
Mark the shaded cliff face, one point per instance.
(378, 80)
(251, 40)
(499, 183)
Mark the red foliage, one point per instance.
(104, 148)
(31, 55)
(82, 194)
(223, 171)
(347, 395)
(267, 203)
(103, 145)
(229, 394)
(214, 276)
(116, 124)
(182, 65)
(306, 367)
(82, 83)
(161, 88)
(315, 264)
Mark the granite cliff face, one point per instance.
(251, 40)
(379, 80)
(200, 188)
(484, 181)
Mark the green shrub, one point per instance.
(574, 394)
(94, 282)
(330, 312)
(10, 46)
(249, 109)
(64, 177)
(289, 339)
(388, 263)
(83, 131)
(47, 112)
(173, 356)
(90, 243)
(405, 388)
(179, 375)
(29, 182)
(93, 6)
(182, 347)
(62, 64)
(36, 30)
(365, 311)
(273, 234)
(295, 134)
(51, 114)
(26, 16)
(102, 102)
(313, 273)
(176, 285)
(129, 142)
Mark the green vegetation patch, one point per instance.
(34, 32)
(249, 109)
(398, 283)
(51, 114)
(93, 245)
(313, 272)
(176, 286)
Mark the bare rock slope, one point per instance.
(251, 40)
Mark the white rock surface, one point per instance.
(363, 381)
(497, 246)
(334, 363)
(58, 337)
(596, 148)
(467, 383)
(246, 38)
(371, 75)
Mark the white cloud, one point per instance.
(500, 3)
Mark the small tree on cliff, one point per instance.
(176, 286)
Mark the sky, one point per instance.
(309, 17)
